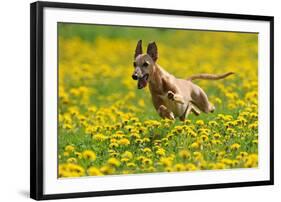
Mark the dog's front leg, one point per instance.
(175, 97)
(165, 113)
(172, 91)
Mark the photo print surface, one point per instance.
(137, 100)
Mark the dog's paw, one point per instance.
(171, 95)
(196, 112)
(213, 108)
(172, 116)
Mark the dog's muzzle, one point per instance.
(142, 82)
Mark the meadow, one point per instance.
(107, 126)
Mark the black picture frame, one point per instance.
(36, 98)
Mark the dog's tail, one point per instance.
(210, 76)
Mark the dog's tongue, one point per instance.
(141, 83)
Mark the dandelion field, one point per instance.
(107, 126)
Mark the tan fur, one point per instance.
(172, 97)
(209, 76)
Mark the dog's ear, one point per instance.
(138, 50)
(152, 51)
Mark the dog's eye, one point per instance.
(145, 64)
(135, 64)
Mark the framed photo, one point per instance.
(136, 100)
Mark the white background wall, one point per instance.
(14, 100)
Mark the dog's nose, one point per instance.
(134, 76)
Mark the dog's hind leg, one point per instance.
(190, 108)
(195, 110)
(200, 100)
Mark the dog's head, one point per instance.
(144, 63)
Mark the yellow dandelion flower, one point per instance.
(67, 126)
(69, 148)
(71, 160)
(235, 146)
(253, 115)
(151, 169)
(251, 161)
(65, 153)
(147, 161)
(93, 171)
(235, 163)
(213, 123)
(169, 169)
(160, 152)
(81, 117)
(127, 154)
(179, 167)
(218, 166)
(141, 103)
(125, 172)
(113, 162)
(146, 140)
(216, 142)
(113, 145)
(75, 170)
(190, 167)
(253, 126)
(179, 129)
(92, 109)
(107, 170)
(125, 160)
(89, 155)
(166, 161)
(78, 155)
(142, 129)
(199, 122)
(221, 154)
(243, 154)
(113, 154)
(140, 158)
(226, 161)
(241, 120)
(185, 154)
(124, 142)
(99, 137)
(198, 155)
(195, 145)
(134, 119)
(192, 134)
(129, 127)
(146, 150)
(135, 135)
(255, 141)
(204, 138)
(113, 140)
(138, 141)
(216, 135)
(73, 111)
(131, 165)
(218, 100)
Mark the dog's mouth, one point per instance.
(142, 82)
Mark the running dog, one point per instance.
(171, 97)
